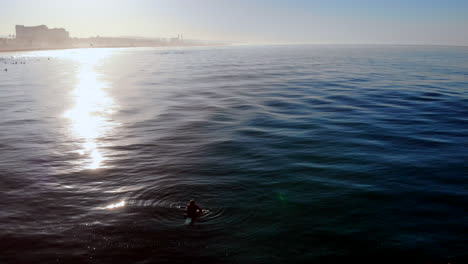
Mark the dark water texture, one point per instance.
(299, 154)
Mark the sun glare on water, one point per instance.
(92, 107)
(116, 205)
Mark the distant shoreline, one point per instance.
(33, 49)
(100, 47)
(217, 44)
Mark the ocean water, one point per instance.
(298, 154)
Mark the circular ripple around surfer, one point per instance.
(165, 203)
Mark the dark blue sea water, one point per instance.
(298, 154)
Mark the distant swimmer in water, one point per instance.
(193, 210)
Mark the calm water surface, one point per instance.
(298, 153)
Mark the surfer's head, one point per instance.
(192, 202)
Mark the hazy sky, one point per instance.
(254, 21)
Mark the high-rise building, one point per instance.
(41, 35)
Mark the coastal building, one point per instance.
(3, 42)
(177, 40)
(41, 35)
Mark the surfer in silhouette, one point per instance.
(193, 210)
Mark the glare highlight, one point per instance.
(90, 116)
(116, 205)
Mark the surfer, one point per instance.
(193, 210)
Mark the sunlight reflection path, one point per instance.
(90, 116)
